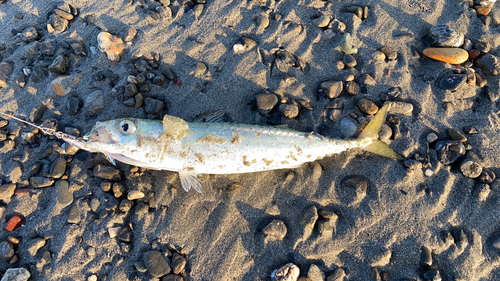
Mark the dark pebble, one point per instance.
(58, 168)
(482, 46)
(29, 34)
(487, 176)
(153, 106)
(6, 250)
(59, 24)
(452, 82)
(445, 36)
(40, 182)
(276, 229)
(129, 102)
(156, 263)
(426, 257)
(349, 61)
(394, 92)
(432, 275)
(490, 64)
(470, 130)
(178, 263)
(37, 112)
(106, 172)
(110, 75)
(169, 73)
(141, 78)
(357, 10)
(139, 100)
(48, 47)
(490, 94)
(449, 151)
(457, 135)
(77, 49)
(145, 88)
(130, 90)
(125, 234)
(352, 88)
(159, 80)
(473, 54)
(38, 74)
(19, 78)
(64, 45)
(266, 103)
(73, 105)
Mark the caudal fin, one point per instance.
(372, 131)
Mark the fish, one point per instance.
(194, 148)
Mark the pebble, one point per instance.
(452, 82)
(58, 168)
(139, 100)
(198, 9)
(483, 47)
(449, 151)
(5, 71)
(62, 85)
(471, 76)
(288, 272)
(58, 24)
(36, 244)
(266, 103)
(332, 89)
(118, 189)
(467, 45)
(448, 55)
(487, 176)
(339, 275)
(289, 110)
(16, 274)
(94, 204)
(445, 36)
(113, 231)
(63, 14)
(125, 234)
(95, 101)
(390, 52)
(29, 34)
(322, 21)
(134, 195)
(92, 277)
(457, 135)
(105, 186)
(335, 115)
(367, 106)
(7, 191)
(3, 209)
(111, 45)
(77, 49)
(348, 127)
(399, 107)
(482, 10)
(481, 191)
(325, 226)
(315, 273)
(489, 64)
(40, 182)
(356, 10)
(20, 76)
(172, 277)
(309, 218)
(37, 75)
(130, 90)
(470, 166)
(131, 32)
(64, 195)
(432, 137)
(6, 250)
(178, 263)
(13, 223)
(378, 55)
(337, 26)
(153, 106)
(473, 54)
(159, 79)
(106, 172)
(74, 214)
(347, 47)
(349, 61)
(426, 257)
(73, 105)
(169, 73)
(156, 263)
(59, 65)
(275, 229)
(263, 21)
(340, 65)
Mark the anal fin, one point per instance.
(189, 179)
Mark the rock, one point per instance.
(339, 275)
(131, 32)
(432, 137)
(110, 75)
(349, 61)
(452, 82)
(139, 100)
(325, 226)
(288, 272)
(489, 64)
(263, 21)
(58, 168)
(134, 195)
(266, 103)
(7, 191)
(348, 127)
(481, 191)
(29, 34)
(335, 115)
(62, 85)
(482, 11)
(111, 45)
(3, 209)
(118, 189)
(367, 106)
(64, 195)
(130, 90)
(74, 214)
(172, 277)
(178, 263)
(40, 182)
(37, 75)
(381, 258)
(473, 54)
(426, 257)
(493, 96)
(73, 105)
(16, 274)
(449, 151)
(31, 49)
(276, 229)
(63, 14)
(332, 89)
(357, 10)
(20, 77)
(95, 101)
(168, 73)
(352, 88)
(445, 36)
(457, 135)
(7, 250)
(125, 234)
(289, 110)
(487, 176)
(358, 185)
(315, 274)
(309, 219)
(13, 223)
(106, 172)
(399, 107)
(37, 112)
(153, 106)
(59, 65)
(483, 47)
(156, 263)
(347, 47)
(322, 21)
(470, 166)
(77, 49)
(448, 55)
(36, 244)
(5, 71)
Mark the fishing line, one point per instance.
(52, 132)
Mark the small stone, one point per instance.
(63, 14)
(134, 195)
(315, 274)
(20, 76)
(339, 275)
(139, 100)
(5, 71)
(335, 115)
(289, 110)
(288, 272)
(159, 80)
(106, 172)
(172, 277)
(62, 85)
(110, 75)
(426, 257)
(348, 127)
(367, 106)
(64, 195)
(470, 130)
(94, 204)
(13, 223)
(487, 176)
(178, 263)
(322, 21)
(332, 89)
(432, 137)
(489, 64)
(340, 65)
(74, 215)
(7, 191)
(471, 76)
(448, 55)
(118, 189)
(59, 65)
(92, 277)
(113, 231)
(3, 209)
(77, 49)
(490, 94)
(467, 45)
(470, 166)
(169, 73)
(399, 107)
(445, 36)
(378, 56)
(347, 47)
(452, 82)
(40, 182)
(58, 24)
(37, 112)
(131, 32)
(106, 186)
(36, 244)
(6, 250)
(483, 47)
(111, 45)
(352, 88)
(29, 34)
(390, 52)
(325, 226)
(125, 234)
(156, 263)
(95, 101)
(58, 168)
(275, 229)
(309, 218)
(349, 61)
(473, 54)
(449, 151)
(16, 274)
(153, 106)
(357, 10)
(457, 135)
(37, 75)
(266, 103)
(481, 191)
(263, 21)
(482, 11)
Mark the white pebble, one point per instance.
(398, 107)
(113, 231)
(239, 48)
(432, 138)
(429, 173)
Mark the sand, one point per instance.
(220, 233)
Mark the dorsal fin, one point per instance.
(175, 127)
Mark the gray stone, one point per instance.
(169, 73)
(348, 127)
(40, 182)
(64, 195)
(452, 82)
(38, 74)
(16, 274)
(59, 24)
(309, 219)
(37, 112)
(449, 151)
(29, 34)
(156, 263)
(426, 257)
(470, 166)
(178, 263)
(153, 106)
(106, 172)
(59, 65)
(349, 61)
(74, 214)
(266, 103)
(288, 272)
(58, 168)
(275, 229)
(289, 110)
(95, 101)
(73, 105)
(332, 89)
(445, 36)
(5, 71)
(489, 64)
(7, 250)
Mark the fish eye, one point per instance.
(127, 127)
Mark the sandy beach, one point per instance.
(308, 65)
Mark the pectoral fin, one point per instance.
(175, 127)
(189, 179)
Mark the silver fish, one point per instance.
(218, 148)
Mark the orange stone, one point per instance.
(112, 45)
(13, 223)
(482, 10)
(449, 55)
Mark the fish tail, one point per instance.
(372, 132)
